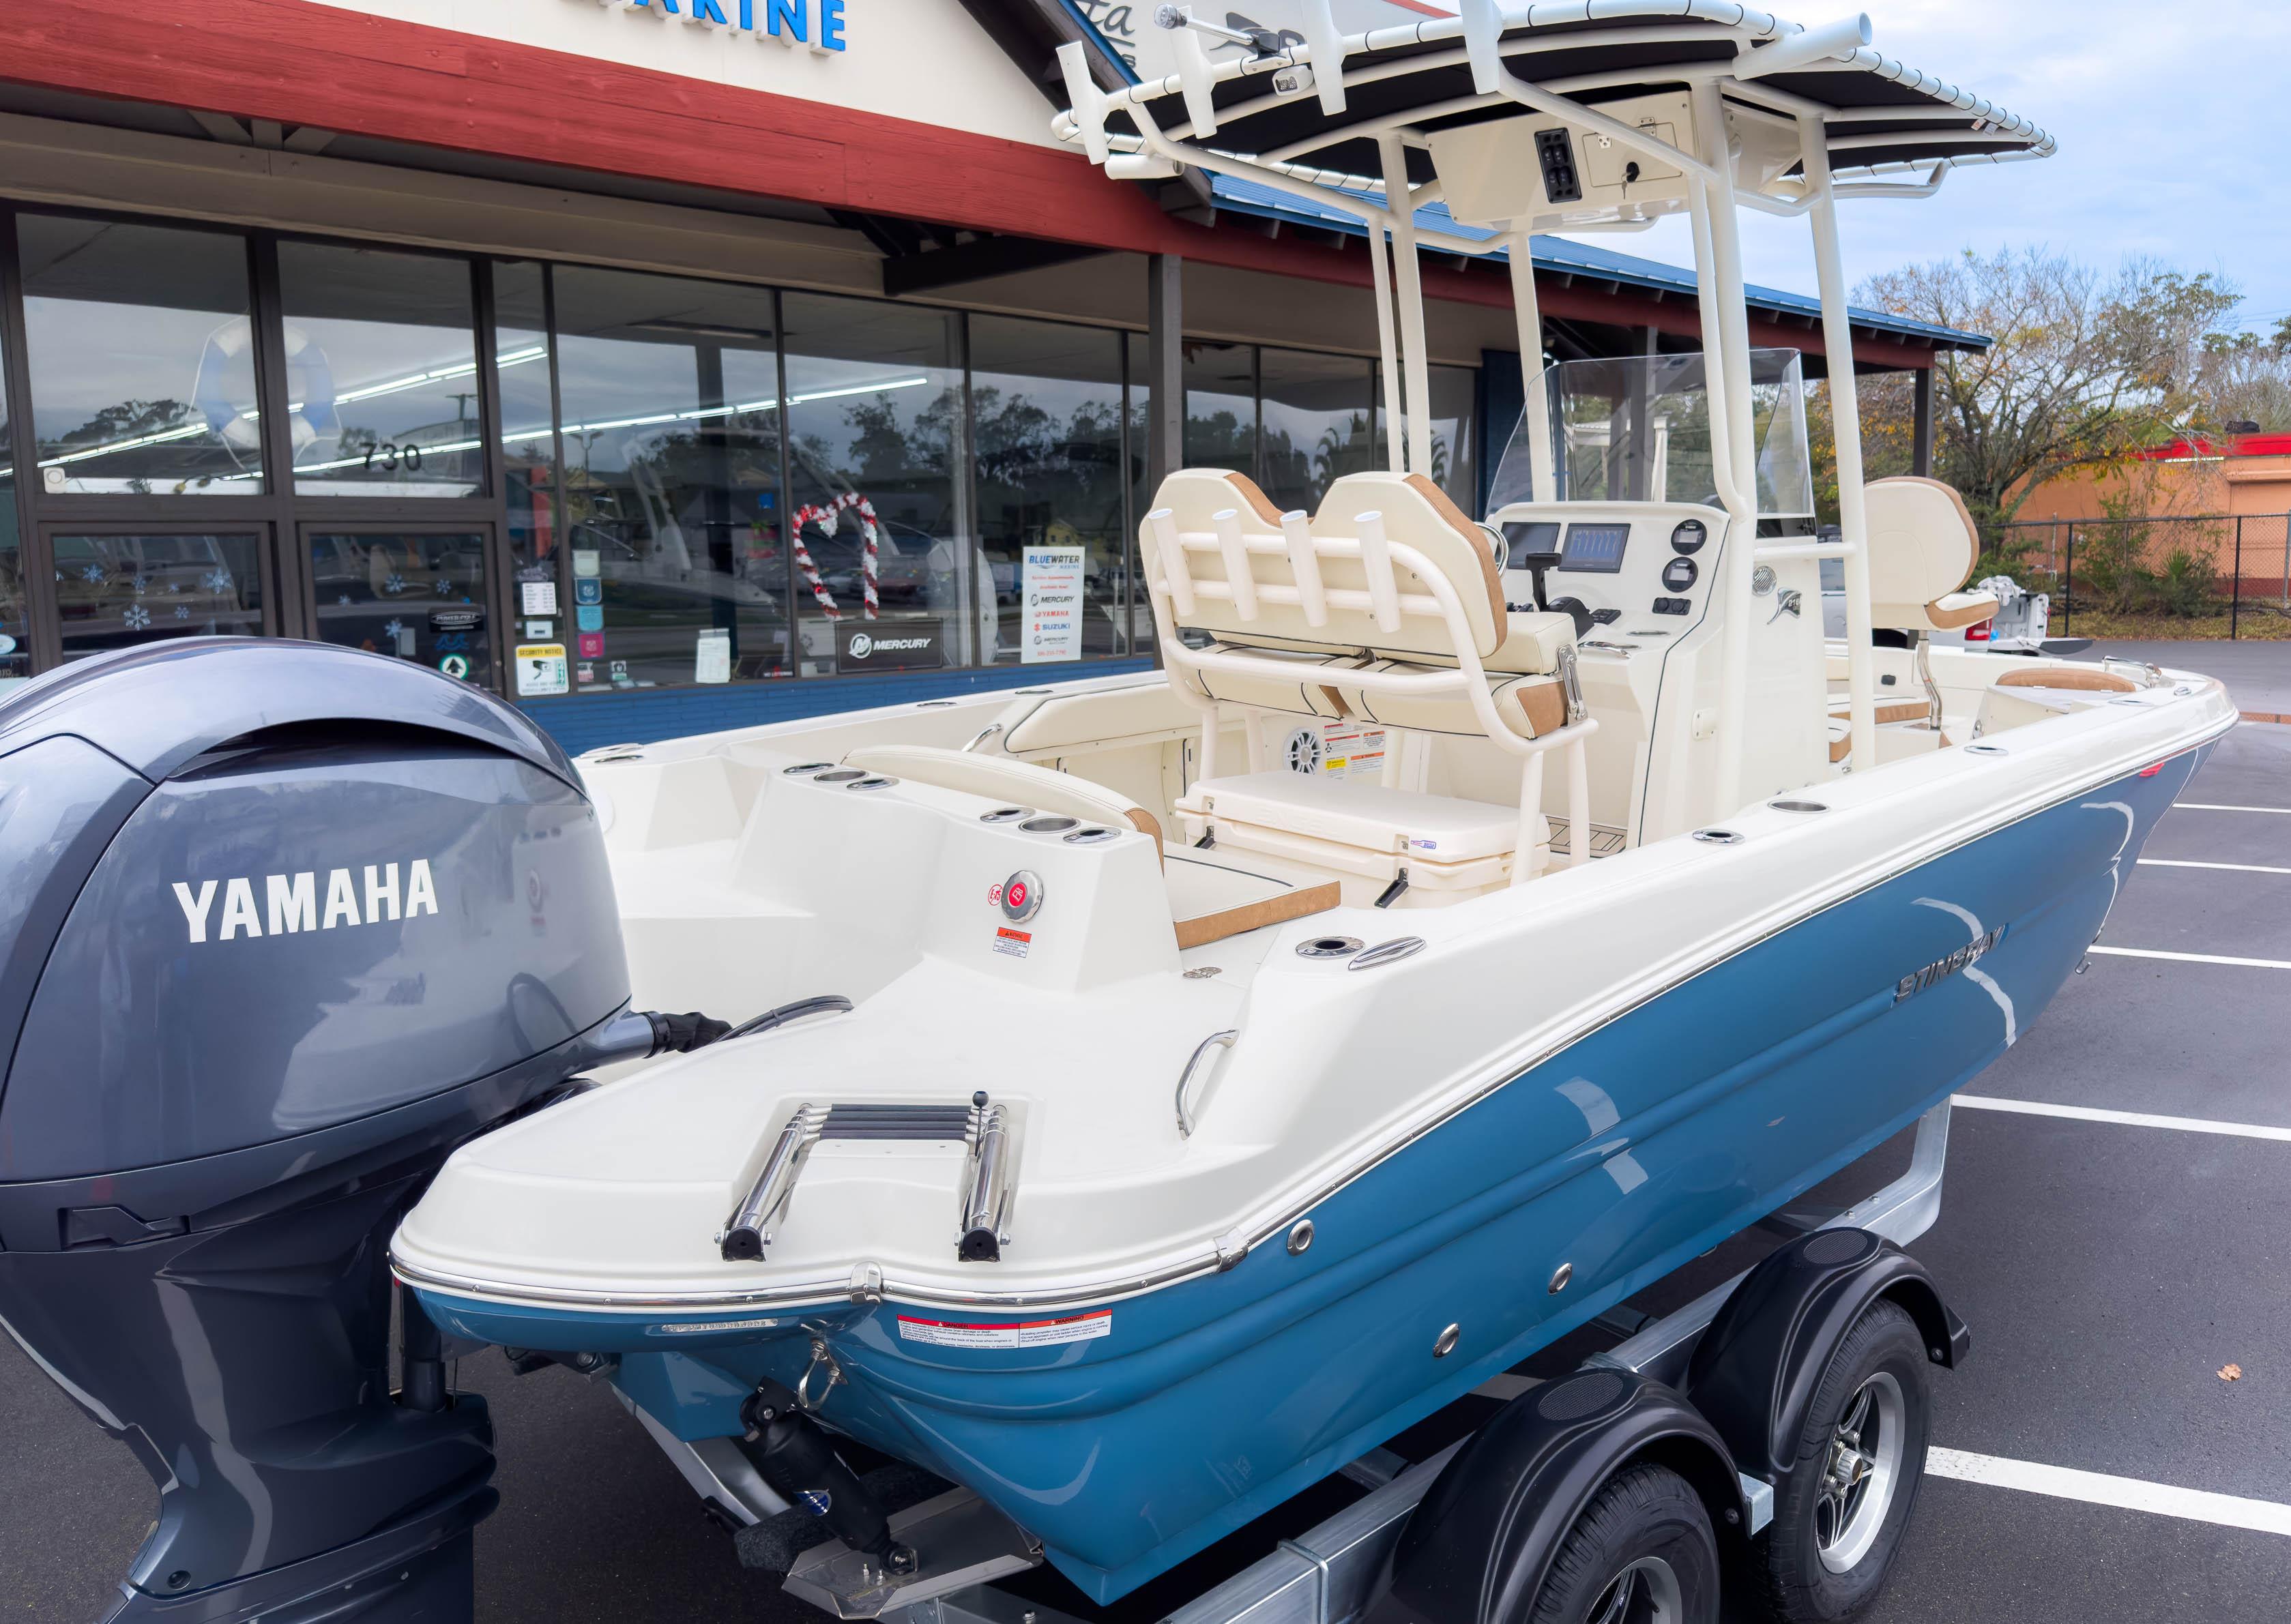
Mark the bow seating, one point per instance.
(1386, 607)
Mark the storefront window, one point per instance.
(141, 357)
(888, 578)
(381, 371)
(1046, 438)
(1221, 406)
(1141, 485)
(672, 435)
(1317, 411)
(113, 592)
(1455, 450)
(417, 595)
(528, 437)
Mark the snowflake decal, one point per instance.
(216, 580)
(92, 574)
(444, 589)
(342, 598)
(394, 630)
(136, 617)
(395, 585)
(140, 586)
(182, 611)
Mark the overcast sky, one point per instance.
(2174, 120)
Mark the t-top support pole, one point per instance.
(1528, 312)
(1845, 413)
(1414, 365)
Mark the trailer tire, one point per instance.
(1827, 1550)
(1646, 1529)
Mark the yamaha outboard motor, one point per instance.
(280, 925)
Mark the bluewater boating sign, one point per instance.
(1050, 594)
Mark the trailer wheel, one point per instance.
(1642, 1553)
(1840, 1518)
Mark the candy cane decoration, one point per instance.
(825, 515)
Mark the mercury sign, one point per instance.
(816, 23)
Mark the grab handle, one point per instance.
(1223, 1040)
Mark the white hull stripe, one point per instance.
(2193, 958)
(2282, 812)
(2182, 862)
(2100, 1489)
(2129, 1119)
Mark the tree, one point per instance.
(2244, 377)
(2085, 369)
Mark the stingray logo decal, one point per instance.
(290, 901)
(1941, 969)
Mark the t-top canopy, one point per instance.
(1463, 94)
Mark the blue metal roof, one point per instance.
(1557, 254)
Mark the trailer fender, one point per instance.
(1479, 1546)
(1755, 1371)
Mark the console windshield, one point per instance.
(1636, 428)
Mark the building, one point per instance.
(666, 367)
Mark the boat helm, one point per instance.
(280, 925)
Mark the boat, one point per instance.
(1174, 1085)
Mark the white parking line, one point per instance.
(2211, 806)
(2100, 1489)
(2192, 958)
(2182, 862)
(2130, 1119)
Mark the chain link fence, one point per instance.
(2158, 574)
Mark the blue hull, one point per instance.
(1208, 1403)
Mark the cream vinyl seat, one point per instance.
(1388, 607)
(1923, 545)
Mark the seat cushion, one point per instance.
(1530, 705)
(1292, 680)
(1367, 817)
(1005, 781)
(1213, 897)
(1923, 545)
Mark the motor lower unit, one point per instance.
(280, 926)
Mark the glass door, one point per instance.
(412, 593)
(118, 587)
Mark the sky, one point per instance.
(2174, 122)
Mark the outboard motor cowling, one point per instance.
(281, 924)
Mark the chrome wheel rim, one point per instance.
(1646, 1592)
(1861, 1473)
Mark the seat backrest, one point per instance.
(999, 777)
(1922, 548)
(1415, 514)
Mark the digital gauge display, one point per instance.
(1594, 548)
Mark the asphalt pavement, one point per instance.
(2110, 1271)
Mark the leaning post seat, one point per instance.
(1387, 606)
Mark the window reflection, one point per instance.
(1046, 415)
(1455, 446)
(1317, 413)
(1221, 406)
(381, 371)
(670, 397)
(887, 578)
(115, 591)
(420, 597)
(141, 357)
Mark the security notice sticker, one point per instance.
(541, 669)
(1029, 1334)
(1013, 942)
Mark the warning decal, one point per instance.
(1013, 942)
(1031, 1334)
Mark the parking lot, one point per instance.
(2116, 1230)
